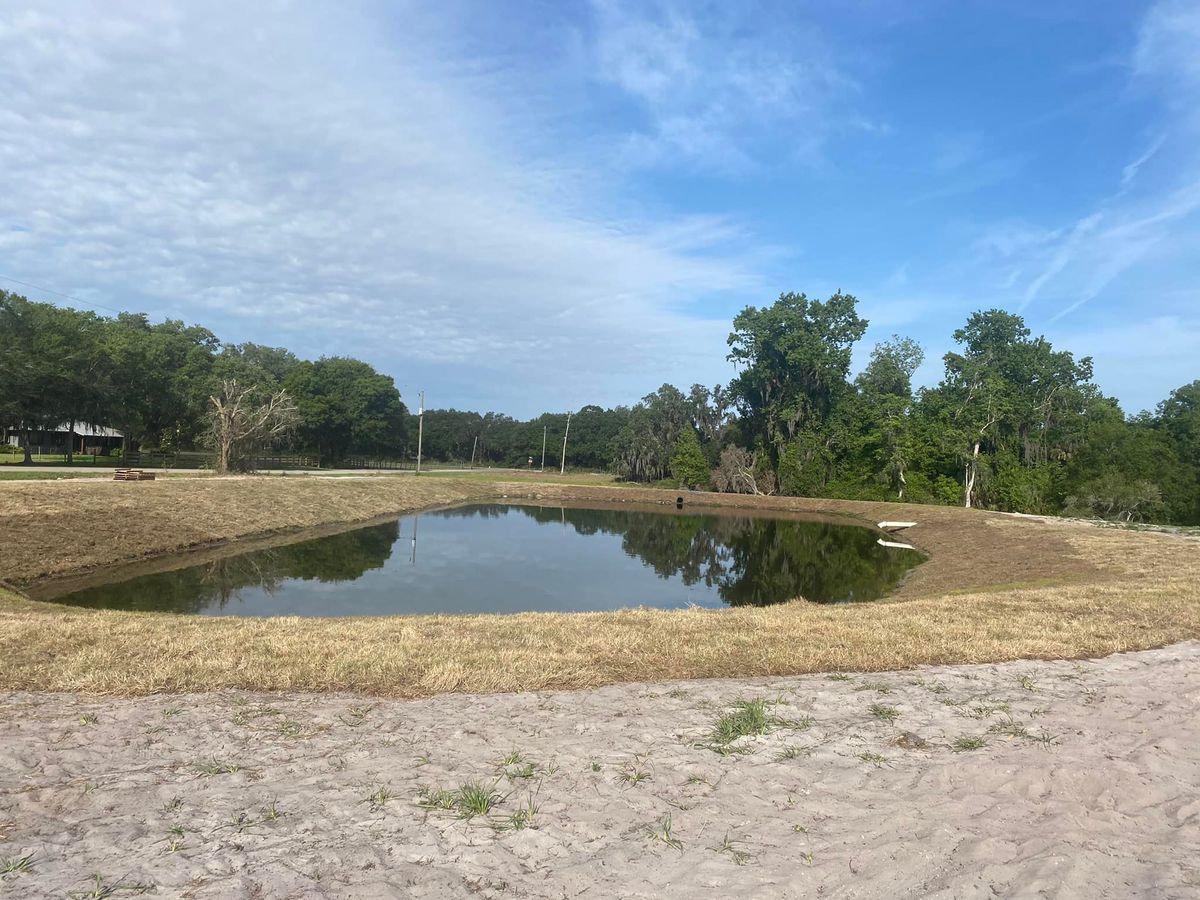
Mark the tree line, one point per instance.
(169, 386)
(1013, 424)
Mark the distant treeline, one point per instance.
(153, 383)
(1013, 424)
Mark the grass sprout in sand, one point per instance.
(476, 799)
(746, 718)
(966, 743)
(16, 865)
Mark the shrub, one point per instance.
(688, 465)
(1113, 496)
(803, 466)
(940, 489)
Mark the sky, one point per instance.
(528, 206)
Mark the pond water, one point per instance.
(501, 558)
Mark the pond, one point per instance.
(503, 558)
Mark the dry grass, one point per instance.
(59, 527)
(995, 588)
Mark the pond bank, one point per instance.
(994, 588)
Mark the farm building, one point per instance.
(85, 439)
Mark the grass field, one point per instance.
(35, 475)
(995, 588)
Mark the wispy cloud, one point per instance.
(1064, 254)
(1167, 44)
(1149, 356)
(716, 81)
(1131, 225)
(1129, 173)
(293, 175)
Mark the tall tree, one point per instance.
(346, 406)
(643, 448)
(794, 357)
(885, 388)
(1007, 400)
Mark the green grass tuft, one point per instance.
(475, 799)
(661, 832)
(16, 865)
(209, 768)
(746, 718)
(883, 712)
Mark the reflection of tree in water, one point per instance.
(747, 561)
(751, 561)
(338, 557)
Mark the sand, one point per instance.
(1086, 786)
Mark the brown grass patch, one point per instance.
(995, 588)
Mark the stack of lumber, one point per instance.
(132, 475)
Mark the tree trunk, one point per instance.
(969, 478)
(28, 460)
(71, 442)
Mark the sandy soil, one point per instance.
(1086, 787)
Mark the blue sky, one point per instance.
(528, 206)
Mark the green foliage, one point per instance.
(497, 440)
(804, 466)
(1013, 487)
(795, 356)
(346, 407)
(938, 489)
(153, 381)
(643, 448)
(688, 465)
(1013, 424)
(1116, 497)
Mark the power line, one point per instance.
(38, 287)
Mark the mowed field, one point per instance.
(994, 588)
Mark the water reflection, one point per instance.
(502, 558)
(749, 560)
(209, 587)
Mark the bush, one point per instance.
(803, 467)
(688, 465)
(940, 489)
(1014, 487)
(851, 488)
(1113, 496)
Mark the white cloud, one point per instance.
(716, 82)
(326, 182)
(1129, 173)
(1150, 357)
(1144, 230)
(1168, 43)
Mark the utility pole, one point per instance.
(544, 427)
(420, 433)
(563, 468)
(473, 446)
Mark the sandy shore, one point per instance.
(1085, 786)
